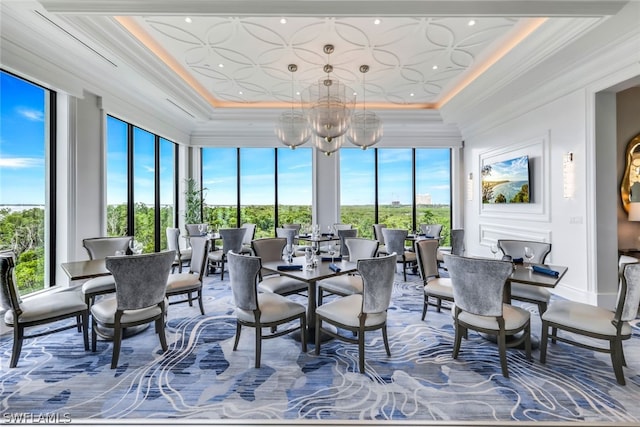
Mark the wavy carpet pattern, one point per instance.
(201, 378)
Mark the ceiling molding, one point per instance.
(337, 7)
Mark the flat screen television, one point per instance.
(506, 181)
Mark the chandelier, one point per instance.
(328, 114)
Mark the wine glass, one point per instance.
(202, 228)
(332, 251)
(528, 254)
(135, 246)
(494, 249)
(308, 257)
(289, 252)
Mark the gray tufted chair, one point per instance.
(270, 249)
(394, 241)
(431, 230)
(348, 284)
(260, 310)
(377, 234)
(435, 286)
(363, 312)
(190, 282)
(100, 248)
(597, 322)
(183, 255)
(520, 291)
(346, 234)
(478, 291)
(231, 241)
(141, 284)
(46, 307)
(249, 235)
(457, 245)
(194, 229)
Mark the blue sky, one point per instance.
(510, 170)
(22, 136)
(22, 164)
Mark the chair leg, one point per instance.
(18, 333)
(317, 337)
(458, 340)
(542, 307)
(502, 348)
(320, 295)
(527, 341)
(222, 270)
(79, 322)
(361, 350)
(385, 338)
(424, 306)
(404, 270)
(85, 329)
(303, 331)
(238, 331)
(617, 359)
(190, 299)
(94, 335)
(258, 345)
(200, 303)
(543, 342)
(117, 341)
(161, 334)
(554, 332)
(439, 305)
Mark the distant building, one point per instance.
(395, 203)
(423, 199)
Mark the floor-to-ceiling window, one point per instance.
(244, 185)
(141, 174)
(401, 188)
(27, 166)
(358, 189)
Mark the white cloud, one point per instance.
(31, 114)
(20, 162)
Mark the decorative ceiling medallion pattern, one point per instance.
(244, 60)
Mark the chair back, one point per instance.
(345, 234)
(394, 239)
(9, 293)
(269, 249)
(250, 234)
(377, 277)
(431, 230)
(173, 239)
(102, 247)
(287, 233)
(377, 232)
(141, 280)
(457, 241)
(194, 229)
(629, 295)
(232, 239)
(427, 257)
(478, 284)
(199, 252)
(360, 248)
(338, 226)
(515, 248)
(243, 275)
(296, 227)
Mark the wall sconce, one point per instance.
(470, 187)
(569, 176)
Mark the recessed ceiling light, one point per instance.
(435, 67)
(239, 92)
(187, 20)
(471, 22)
(410, 94)
(376, 21)
(298, 92)
(220, 65)
(283, 20)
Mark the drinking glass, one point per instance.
(135, 246)
(494, 249)
(289, 252)
(201, 229)
(528, 254)
(332, 251)
(308, 257)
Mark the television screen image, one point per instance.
(506, 181)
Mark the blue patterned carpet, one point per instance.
(201, 378)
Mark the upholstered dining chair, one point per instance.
(296, 227)
(260, 310)
(592, 322)
(44, 308)
(394, 239)
(270, 249)
(436, 287)
(362, 312)
(100, 248)
(194, 229)
(377, 234)
(231, 241)
(346, 234)
(141, 284)
(190, 282)
(478, 292)
(433, 231)
(349, 284)
(519, 291)
(456, 248)
(249, 235)
(183, 255)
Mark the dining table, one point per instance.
(322, 270)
